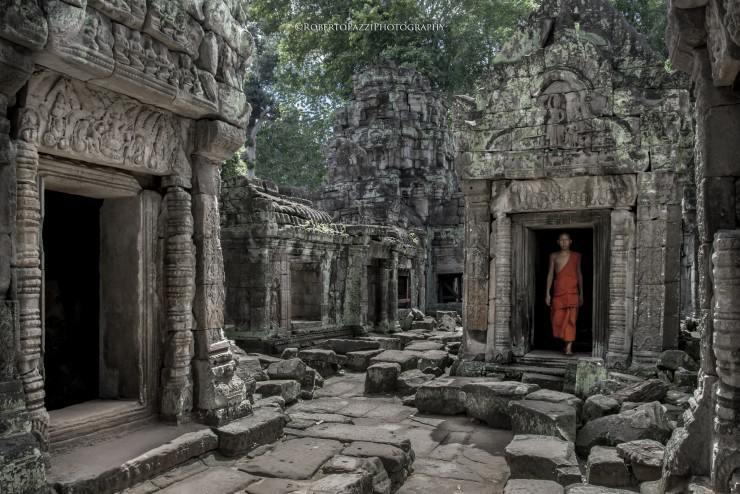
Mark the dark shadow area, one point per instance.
(71, 246)
(583, 243)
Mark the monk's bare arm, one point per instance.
(550, 273)
(580, 283)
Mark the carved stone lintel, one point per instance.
(16, 66)
(168, 22)
(71, 119)
(218, 140)
(128, 12)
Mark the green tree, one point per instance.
(649, 17)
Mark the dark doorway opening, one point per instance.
(546, 243)
(404, 289)
(71, 255)
(305, 291)
(449, 288)
(373, 294)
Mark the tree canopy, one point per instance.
(308, 50)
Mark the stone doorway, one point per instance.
(305, 291)
(541, 334)
(71, 237)
(533, 238)
(100, 301)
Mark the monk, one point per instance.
(565, 268)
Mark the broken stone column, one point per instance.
(726, 442)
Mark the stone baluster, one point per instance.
(726, 441)
(27, 266)
(177, 382)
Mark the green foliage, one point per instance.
(290, 150)
(234, 166)
(649, 17)
(320, 63)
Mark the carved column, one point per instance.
(177, 382)
(355, 295)
(393, 292)
(476, 256)
(26, 263)
(621, 289)
(726, 442)
(326, 286)
(499, 337)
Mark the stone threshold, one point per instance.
(115, 463)
(75, 424)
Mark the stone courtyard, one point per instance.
(164, 330)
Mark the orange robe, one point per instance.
(564, 304)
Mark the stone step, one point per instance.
(118, 463)
(515, 371)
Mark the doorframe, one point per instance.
(522, 272)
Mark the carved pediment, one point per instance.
(65, 117)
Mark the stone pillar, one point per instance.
(657, 267)
(498, 348)
(422, 284)
(179, 266)
(393, 292)
(621, 289)
(22, 468)
(27, 266)
(475, 307)
(355, 296)
(220, 394)
(726, 441)
(383, 286)
(326, 263)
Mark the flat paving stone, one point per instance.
(295, 459)
(407, 360)
(351, 433)
(333, 418)
(425, 484)
(275, 486)
(217, 480)
(423, 346)
(530, 486)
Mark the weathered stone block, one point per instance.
(407, 360)
(344, 347)
(382, 377)
(589, 373)
(467, 368)
(344, 483)
(360, 361)
(530, 486)
(288, 389)
(489, 401)
(287, 369)
(673, 359)
(424, 346)
(544, 381)
(644, 422)
(558, 397)
(433, 359)
(441, 396)
(539, 457)
(650, 390)
(410, 381)
(645, 458)
(243, 435)
(605, 467)
(598, 406)
(543, 418)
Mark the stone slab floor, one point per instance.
(453, 455)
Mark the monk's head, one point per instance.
(564, 240)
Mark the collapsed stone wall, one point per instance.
(391, 163)
(135, 103)
(578, 126)
(704, 42)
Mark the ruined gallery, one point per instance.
(162, 329)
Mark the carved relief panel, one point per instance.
(69, 118)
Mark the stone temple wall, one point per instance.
(578, 126)
(391, 163)
(293, 275)
(704, 41)
(134, 103)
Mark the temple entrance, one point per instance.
(71, 240)
(533, 238)
(541, 335)
(305, 291)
